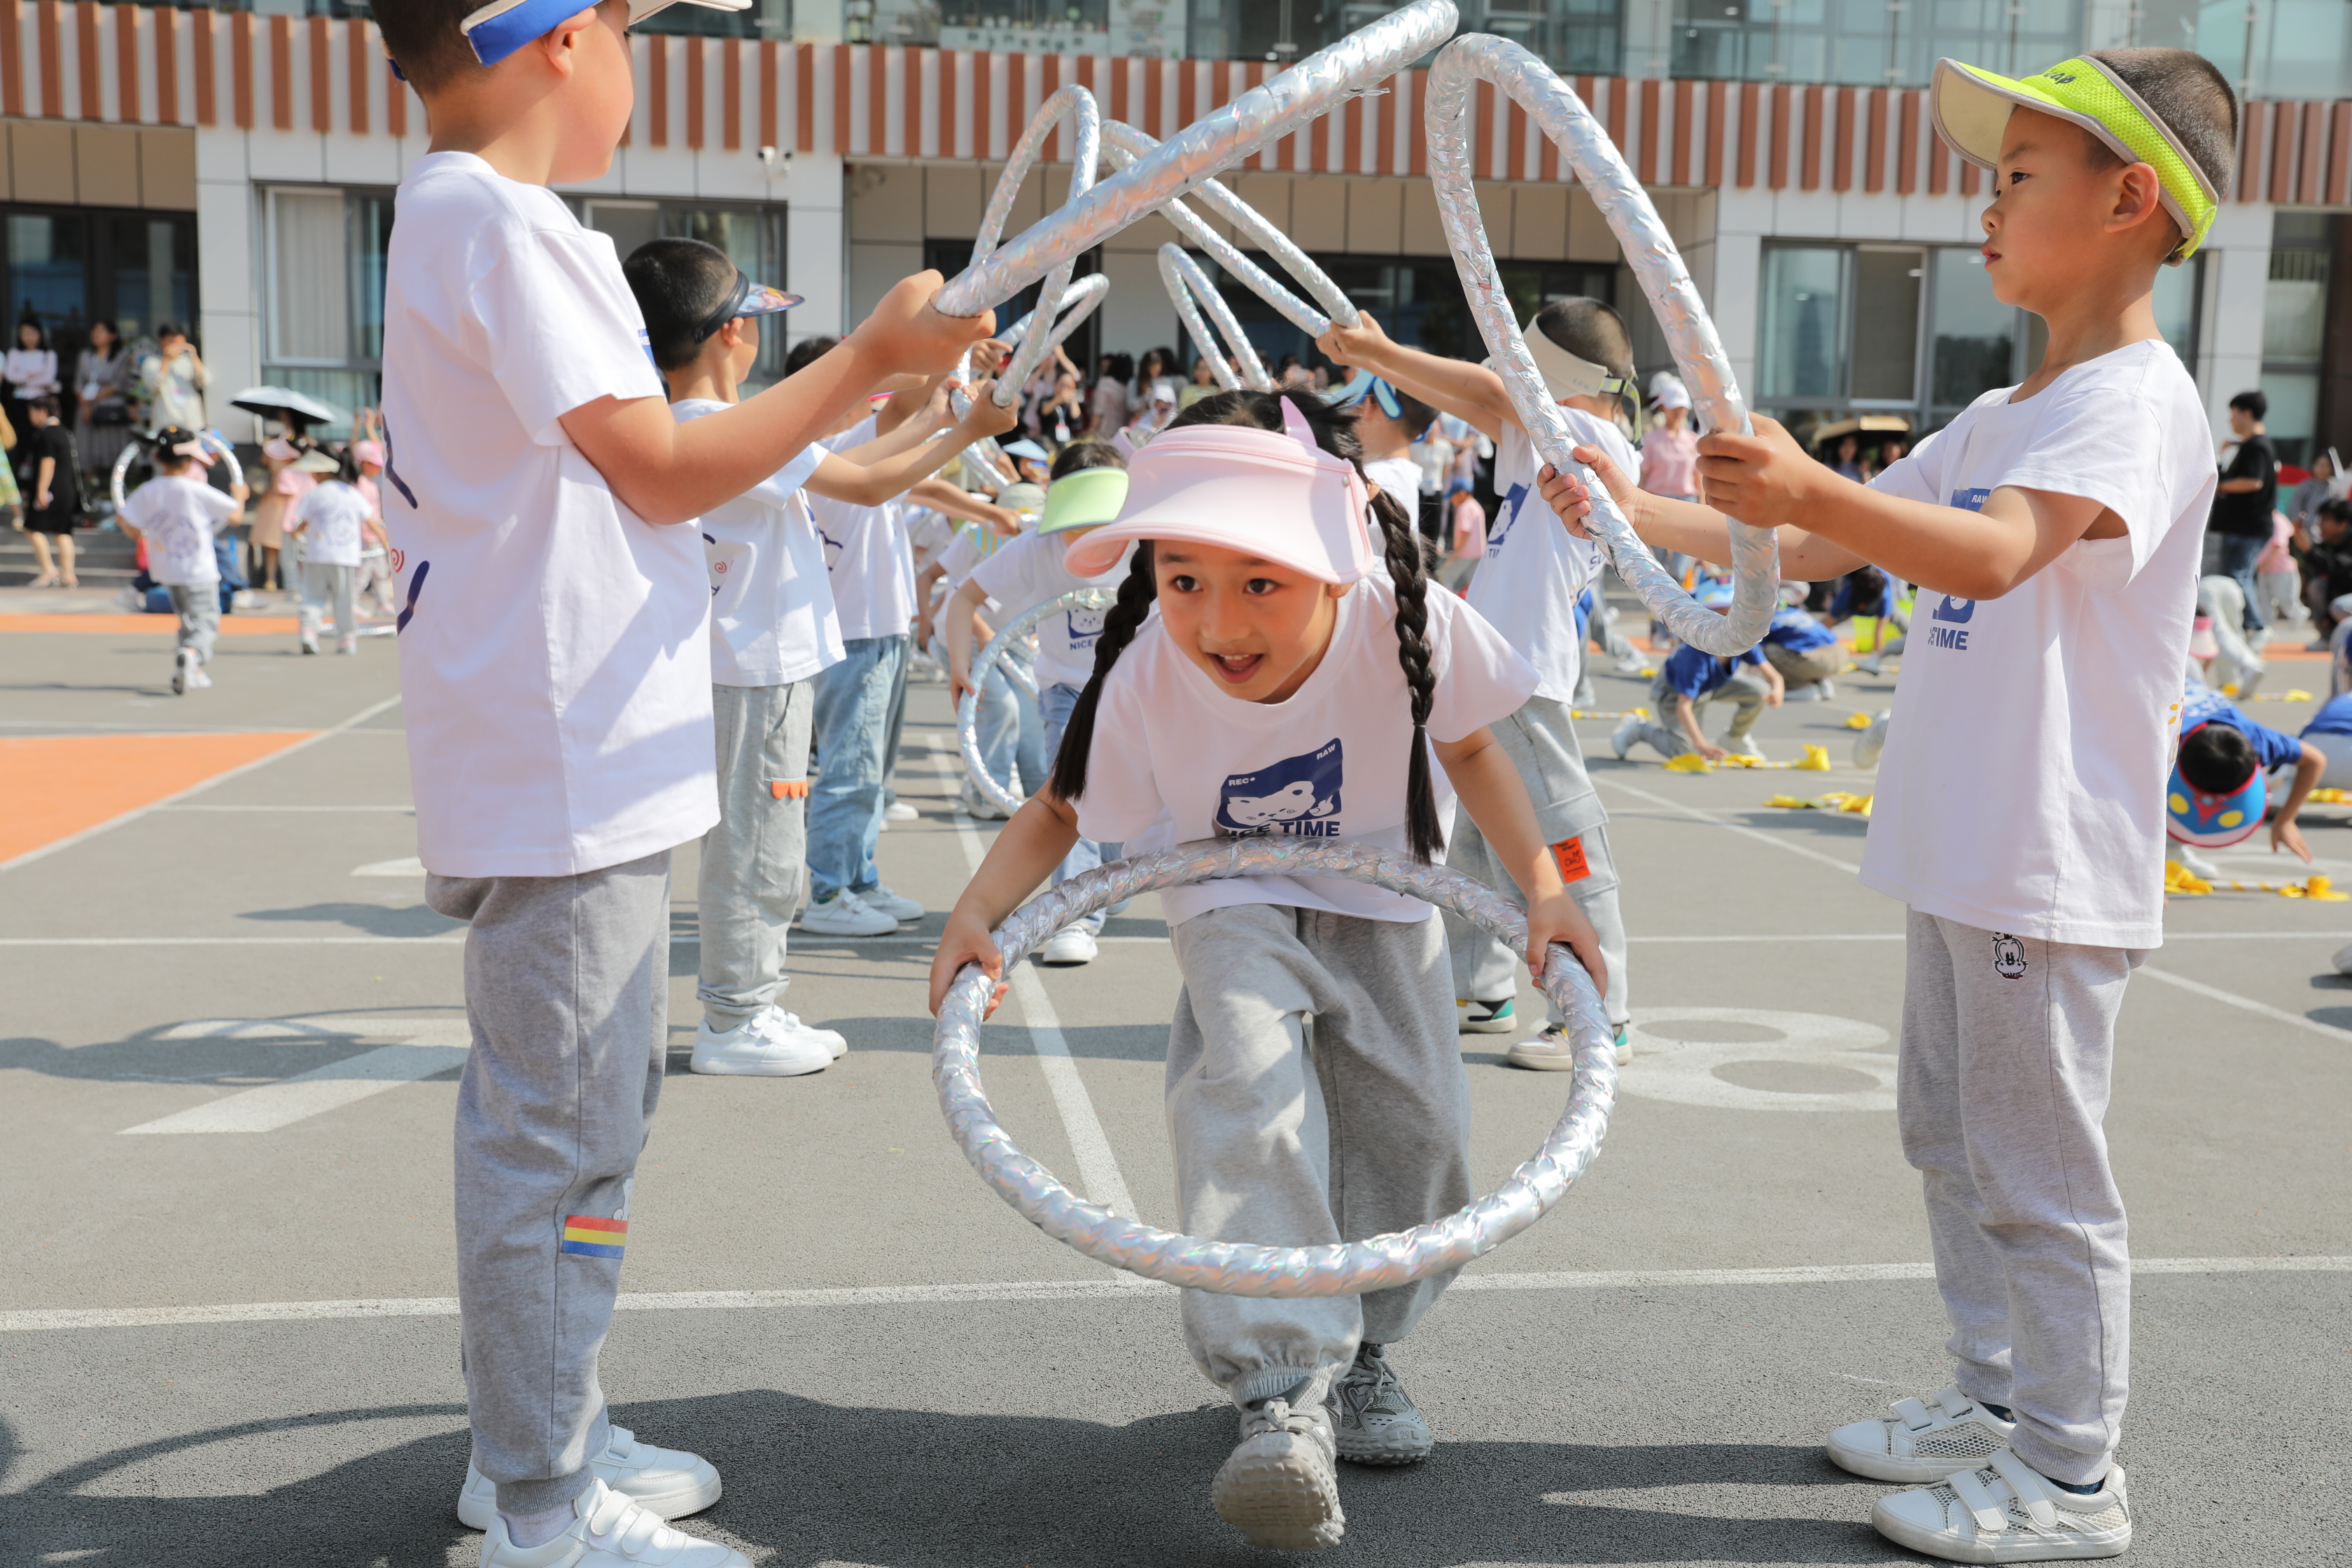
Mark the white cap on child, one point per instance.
(1279, 497)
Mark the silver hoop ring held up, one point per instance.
(984, 663)
(138, 444)
(1240, 1268)
(1313, 87)
(1078, 105)
(1079, 301)
(1650, 250)
(1191, 292)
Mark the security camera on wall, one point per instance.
(775, 162)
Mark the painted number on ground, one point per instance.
(1753, 1059)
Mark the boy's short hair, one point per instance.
(1591, 329)
(426, 38)
(2336, 511)
(2217, 759)
(807, 352)
(2190, 96)
(678, 283)
(47, 402)
(2255, 403)
(1080, 455)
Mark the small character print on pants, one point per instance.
(1568, 856)
(592, 1236)
(2008, 956)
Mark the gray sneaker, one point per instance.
(1374, 1420)
(1280, 1486)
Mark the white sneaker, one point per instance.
(1621, 739)
(129, 598)
(1587, 695)
(197, 680)
(1871, 743)
(2198, 866)
(978, 806)
(669, 1483)
(1744, 746)
(845, 914)
(1809, 692)
(760, 1047)
(2005, 1512)
(609, 1530)
(897, 905)
(1553, 1051)
(1281, 1485)
(899, 810)
(1924, 1441)
(1071, 944)
(184, 663)
(348, 645)
(1629, 665)
(1828, 689)
(785, 1024)
(309, 642)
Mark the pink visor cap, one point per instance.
(1277, 497)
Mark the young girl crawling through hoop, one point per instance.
(1284, 688)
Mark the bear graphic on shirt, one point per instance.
(1298, 796)
(1085, 625)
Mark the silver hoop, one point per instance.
(1601, 168)
(138, 443)
(1190, 289)
(1241, 1269)
(1078, 105)
(1265, 113)
(984, 664)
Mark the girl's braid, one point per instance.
(1422, 834)
(1137, 589)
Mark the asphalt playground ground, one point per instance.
(230, 1036)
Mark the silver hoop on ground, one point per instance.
(222, 451)
(1698, 352)
(1190, 289)
(1241, 1269)
(1265, 113)
(984, 664)
(1122, 143)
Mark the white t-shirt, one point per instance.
(1534, 569)
(867, 553)
(772, 618)
(2022, 786)
(1028, 572)
(1401, 477)
(334, 516)
(553, 660)
(178, 516)
(1175, 759)
(973, 543)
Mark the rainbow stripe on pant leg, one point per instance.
(594, 1238)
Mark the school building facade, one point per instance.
(234, 169)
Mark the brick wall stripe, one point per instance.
(2339, 156)
(2282, 124)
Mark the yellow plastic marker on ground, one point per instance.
(1816, 760)
(2330, 796)
(1857, 721)
(2179, 878)
(1689, 763)
(1835, 800)
(2290, 695)
(1596, 713)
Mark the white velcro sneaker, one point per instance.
(1924, 1441)
(2007, 1512)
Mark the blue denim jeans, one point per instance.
(1057, 700)
(2238, 557)
(1012, 733)
(853, 722)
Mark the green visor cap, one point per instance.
(1088, 498)
(1972, 108)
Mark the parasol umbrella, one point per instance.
(287, 406)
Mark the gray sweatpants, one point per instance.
(567, 988)
(1541, 741)
(751, 861)
(1295, 1135)
(198, 604)
(324, 586)
(2008, 1043)
(1745, 690)
(1804, 668)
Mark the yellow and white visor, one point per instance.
(1972, 107)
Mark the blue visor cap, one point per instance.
(2213, 821)
(501, 27)
(1363, 384)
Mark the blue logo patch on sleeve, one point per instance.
(1298, 797)
(1971, 501)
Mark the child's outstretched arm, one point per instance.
(2309, 768)
(1497, 799)
(1454, 387)
(949, 501)
(872, 483)
(1022, 856)
(666, 473)
(1686, 526)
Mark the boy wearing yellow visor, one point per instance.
(2054, 529)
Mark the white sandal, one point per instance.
(2006, 1511)
(1923, 1440)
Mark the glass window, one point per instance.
(1570, 34)
(1887, 285)
(48, 275)
(153, 268)
(1800, 340)
(2293, 417)
(309, 280)
(2176, 293)
(1973, 335)
(2295, 305)
(1867, 43)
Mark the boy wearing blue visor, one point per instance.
(556, 677)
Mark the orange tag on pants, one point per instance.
(788, 789)
(1568, 856)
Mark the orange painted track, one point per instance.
(158, 626)
(52, 786)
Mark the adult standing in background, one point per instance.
(1107, 404)
(101, 386)
(52, 490)
(175, 382)
(31, 371)
(1155, 364)
(2241, 519)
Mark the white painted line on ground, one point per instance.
(406, 865)
(428, 1046)
(2261, 1009)
(274, 810)
(1774, 839)
(451, 938)
(135, 813)
(1098, 1173)
(27, 1320)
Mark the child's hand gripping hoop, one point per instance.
(1698, 352)
(1191, 292)
(1265, 113)
(984, 663)
(1239, 1268)
(220, 450)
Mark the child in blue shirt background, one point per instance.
(1691, 678)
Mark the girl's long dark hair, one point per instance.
(1335, 433)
